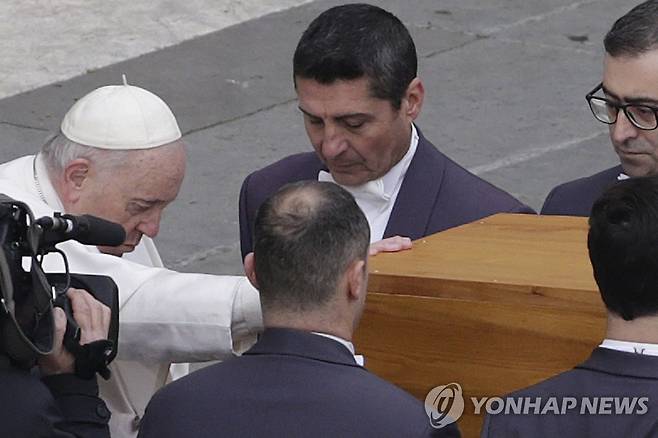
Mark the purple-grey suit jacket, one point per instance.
(607, 373)
(576, 198)
(290, 384)
(436, 194)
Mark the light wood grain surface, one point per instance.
(495, 306)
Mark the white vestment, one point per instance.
(165, 316)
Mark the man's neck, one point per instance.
(642, 330)
(310, 322)
(408, 139)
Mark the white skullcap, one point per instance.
(121, 117)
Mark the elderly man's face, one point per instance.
(633, 80)
(134, 194)
(357, 136)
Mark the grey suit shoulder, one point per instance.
(576, 198)
(598, 385)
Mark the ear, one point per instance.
(73, 179)
(250, 269)
(413, 99)
(357, 278)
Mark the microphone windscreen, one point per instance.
(92, 230)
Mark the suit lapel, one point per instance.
(609, 178)
(418, 194)
(312, 171)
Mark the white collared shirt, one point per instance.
(630, 347)
(622, 176)
(347, 344)
(376, 198)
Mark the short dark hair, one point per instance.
(623, 247)
(306, 235)
(635, 33)
(356, 40)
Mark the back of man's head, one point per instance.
(635, 33)
(306, 236)
(356, 40)
(623, 247)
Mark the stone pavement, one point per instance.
(505, 83)
(45, 41)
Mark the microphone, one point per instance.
(86, 229)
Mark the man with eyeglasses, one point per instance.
(627, 101)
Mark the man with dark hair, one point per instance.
(355, 73)
(614, 392)
(301, 379)
(627, 101)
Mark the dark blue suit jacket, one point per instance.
(56, 406)
(576, 198)
(290, 384)
(436, 194)
(607, 373)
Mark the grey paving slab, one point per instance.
(501, 98)
(504, 81)
(207, 80)
(16, 141)
(531, 180)
(580, 28)
(483, 17)
(208, 208)
(46, 41)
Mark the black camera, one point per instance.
(28, 294)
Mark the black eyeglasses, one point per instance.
(606, 111)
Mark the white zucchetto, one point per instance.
(121, 117)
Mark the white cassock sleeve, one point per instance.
(165, 316)
(168, 316)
